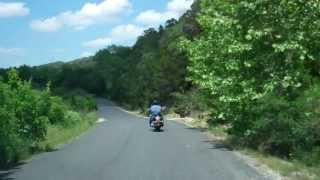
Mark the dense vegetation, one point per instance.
(256, 58)
(26, 114)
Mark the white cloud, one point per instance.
(179, 6)
(89, 14)
(121, 35)
(98, 43)
(151, 17)
(12, 51)
(47, 25)
(175, 8)
(13, 9)
(125, 34)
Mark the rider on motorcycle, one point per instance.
(155, 109)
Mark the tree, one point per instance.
(250, 52)
(171, 22)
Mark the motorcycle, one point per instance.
(157, 122)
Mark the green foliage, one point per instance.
(25, 115)
(279, 126)
(71, 118)
(253, 57)
(11, 144)
(188, 102)
(289, 128)
(310, 158)
(57, 110)
(78, 99)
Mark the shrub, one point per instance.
(71, 118)
(284, 127)
(310, 158)
(31, 109)
(57, 110)
(188, 102)
(12, 146)
(25, 114)
(278, 126)
(84, 103)
(78, 99)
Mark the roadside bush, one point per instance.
(57, 110)
(11, 144)
(71, 118)
(283, 127)
(191, 101)
(25, 115)
(310, 158)
(31, 108)
(309, 151)
(83, 103)
(278, 126)
(78, 99)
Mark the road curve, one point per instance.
(124, 148)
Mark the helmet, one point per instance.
(155, 102)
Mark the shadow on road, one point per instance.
(157, 131)
(216, 144)
(7, 171)
(197, 129)
(219, 144)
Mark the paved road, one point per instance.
(123, 148)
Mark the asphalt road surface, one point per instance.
(124, 148)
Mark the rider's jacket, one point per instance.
(155, 109)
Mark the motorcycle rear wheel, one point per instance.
(157, 128)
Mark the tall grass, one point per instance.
(58, 134)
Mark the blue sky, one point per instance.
(36, 32)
